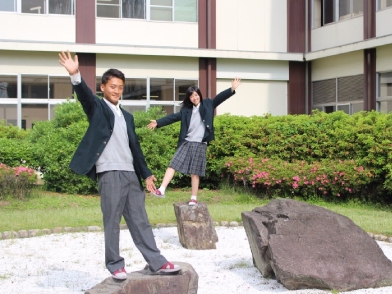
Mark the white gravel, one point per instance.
(74, 262)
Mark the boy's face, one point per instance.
(195, 98)
(113, 90)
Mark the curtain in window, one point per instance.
(133, 9)
(3, 90)
(60, 6)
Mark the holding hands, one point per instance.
(235, 83)
(71, 65)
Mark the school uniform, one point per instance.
(110, 152)
(197, 130)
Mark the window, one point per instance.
(35, 87)
(165, 92)
(47, 6)
(329, 11)
(382, 4)
(185, 10)
(160, 10)
(384, 99)
(345, 94)
(8, 5)
(350, 8)
(60, 88)
(108, 8)
(121, 8)
(133, 9)
(8, 113)
(8, 87)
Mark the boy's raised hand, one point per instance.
(235, 83)
(71, 65)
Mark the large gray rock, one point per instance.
(186, 282)
(306, 246)
(195, 227)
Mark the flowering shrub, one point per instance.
(16, 182)
(339, 178)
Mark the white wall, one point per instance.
(251, 25)
(252, 69)
(31, 27)
(150, 66)
(146, 33)
(343, 65)
(337, 34)
(384, 22)
(384, 58)
(26, 62)
(254, 98)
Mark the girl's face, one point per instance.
(195, 98)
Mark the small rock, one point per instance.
(57, 230)
(233, 224)
(123, 227)
(224, 223)
(34, 233)
(23, 234)
(215, 224)
(46, 231)
(93, 229)
(10, 235)
(68, 229)
(380, 238)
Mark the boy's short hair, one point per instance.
(110, 73)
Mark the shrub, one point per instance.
(16, 182)
(55, 142)
(326, 178)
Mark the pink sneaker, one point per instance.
(192, 202)
(168, 267)
(158, 193)
(120, 274)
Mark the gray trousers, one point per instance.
(122, 195)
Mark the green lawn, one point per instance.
(50, 210)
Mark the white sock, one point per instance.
(194, 197)
(162, 189)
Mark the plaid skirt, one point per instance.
(190, 158)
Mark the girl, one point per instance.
(197, 130)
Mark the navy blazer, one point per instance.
(101, 119)
(206, 111)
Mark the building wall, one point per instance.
(263, 89)
(32, 27)
(384, 58)
(254, 97)
(343, 65)
(150, 66)
(337, 34)
(30, 62)
(384, 22)
(251, 25)
(137, 32)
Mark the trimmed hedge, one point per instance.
(362, 140)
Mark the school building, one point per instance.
(292, 55)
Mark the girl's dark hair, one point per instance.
(110, 73)
(187, 101)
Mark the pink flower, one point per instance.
(295, 185)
